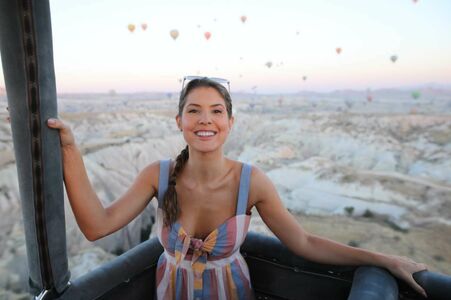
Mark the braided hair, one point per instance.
(170, 207)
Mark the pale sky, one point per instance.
(95, 52)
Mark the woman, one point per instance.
(204, 205)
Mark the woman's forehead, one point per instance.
(204, 96)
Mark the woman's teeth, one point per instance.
(205, 133)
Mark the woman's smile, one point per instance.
(205, 133)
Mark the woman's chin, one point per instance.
(206, 149)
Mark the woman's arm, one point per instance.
(94, 220)
(316, 248)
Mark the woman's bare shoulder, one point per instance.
(151, 174)
(260, 184)
(257, 175)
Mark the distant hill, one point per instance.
(430, 89)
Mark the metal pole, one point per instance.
(27, 58)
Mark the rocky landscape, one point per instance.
(368, 174)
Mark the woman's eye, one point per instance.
(192, 111)
(217, 111)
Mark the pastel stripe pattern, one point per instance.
(212, 268)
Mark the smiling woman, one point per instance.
(204, 204)
(206, 114)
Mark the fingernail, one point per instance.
(51, 121)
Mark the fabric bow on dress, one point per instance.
(201, 249)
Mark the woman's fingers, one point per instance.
(66, 136)
(58, 124)
(405, 268)
(8, 118)
(416, 286)
(55, 123)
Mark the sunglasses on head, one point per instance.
(221, 81)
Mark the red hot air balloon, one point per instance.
(131, 27)
(207, 35)
(243, 19)
(338, 50)
(144, 26)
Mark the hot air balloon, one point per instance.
(243, 19)
(369, 98)
(207, 35)
(131, 27)
(144, 26)
(414, 1)
(415, 95)
(268, 64)
(338, 50)
(394, 58)
(304, 78)
(174, 34)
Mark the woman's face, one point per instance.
(204, 120)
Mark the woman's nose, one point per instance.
(205, 118)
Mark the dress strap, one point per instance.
(244, 189)
(163, 181)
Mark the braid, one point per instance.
(170, 204)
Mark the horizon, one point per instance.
(401, 89)
(405, 89)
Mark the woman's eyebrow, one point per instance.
(213, 105)
(218, 104)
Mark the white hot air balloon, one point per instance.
(174, 33)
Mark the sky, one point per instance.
(95, 52)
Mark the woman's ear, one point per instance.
(231, 122)
(178, 121)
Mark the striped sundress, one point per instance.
(213, 268)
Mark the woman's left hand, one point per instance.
(404, 268)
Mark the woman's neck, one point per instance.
(206, 167)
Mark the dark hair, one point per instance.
(171, 209)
